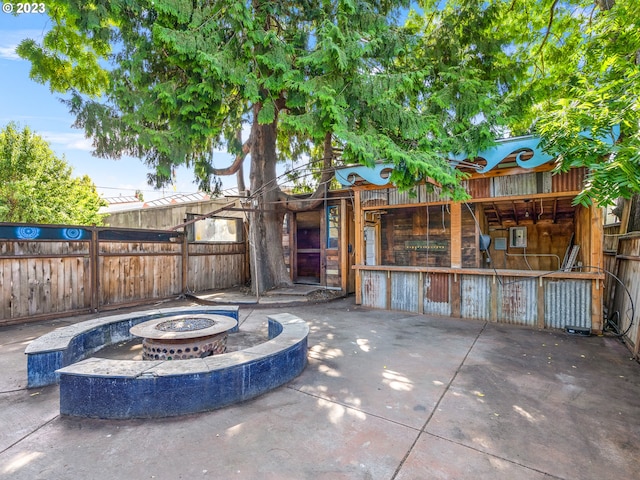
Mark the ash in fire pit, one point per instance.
(185, 325)
(184, 337)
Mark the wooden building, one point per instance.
(517, 252)
(318, 243)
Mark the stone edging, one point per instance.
(68, 345)
(120, 389)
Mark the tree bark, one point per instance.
(267, 215)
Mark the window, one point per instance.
(215, 229)
(333, 222)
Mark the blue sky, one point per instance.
(32, 104)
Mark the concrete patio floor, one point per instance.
(386, 395)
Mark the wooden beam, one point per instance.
(596, 260)
(185, 261)
(456, 235)
(498, 216)
(359, 243)
(344, 247)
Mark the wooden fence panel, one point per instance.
(135, 271)
(44, 278)
(628, 271)
(215, 265)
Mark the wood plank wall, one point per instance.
(42, 279)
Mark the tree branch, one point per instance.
(546, 36)
(294, 204)
(239, 160)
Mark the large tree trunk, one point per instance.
(265, 220)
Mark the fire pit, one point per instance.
(184, 336)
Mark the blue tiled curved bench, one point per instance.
(68, 345)
(119, 389)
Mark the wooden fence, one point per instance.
(48, 272)
(622, 257)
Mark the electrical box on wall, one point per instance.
(500, 243)
(518, 237)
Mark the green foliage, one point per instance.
(38, 187)
(183, 75)
(584, 80)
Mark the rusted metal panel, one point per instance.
(567, 302)
(437, 293)
(517, 301)
(570, 181)
(523, 184)
(475, 301)
(404, 291)
(478, 187)
(374, 289)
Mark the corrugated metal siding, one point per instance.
(402, 198)
(547, 182)
(524, 184)
(404, 291)
(517, 301)
(370, 198)
(567, 302)
(570, 181)
(429, 194)
(374, 289)
(476, 297)
(437, 294)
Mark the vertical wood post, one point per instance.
(596, 259)
(493, 314)
(359, 246)
(540, 303)
(421, 292)
(456, 235)
(455, 282)
(185, 261)
(344, 247)
(94, 267)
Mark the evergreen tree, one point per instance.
(334, 81)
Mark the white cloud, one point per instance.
(9, 41)
(69, 141)
(9, 52)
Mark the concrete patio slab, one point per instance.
(385, 395)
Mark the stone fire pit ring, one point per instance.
(181, 337)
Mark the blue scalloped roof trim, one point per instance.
(380, 173)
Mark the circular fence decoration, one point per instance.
(72, 233)
(27, 233)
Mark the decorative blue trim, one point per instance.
(376, 175)
(380, 173)
(519, 146)
(27, 233)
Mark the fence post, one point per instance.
(185, 261)
(94, 266)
